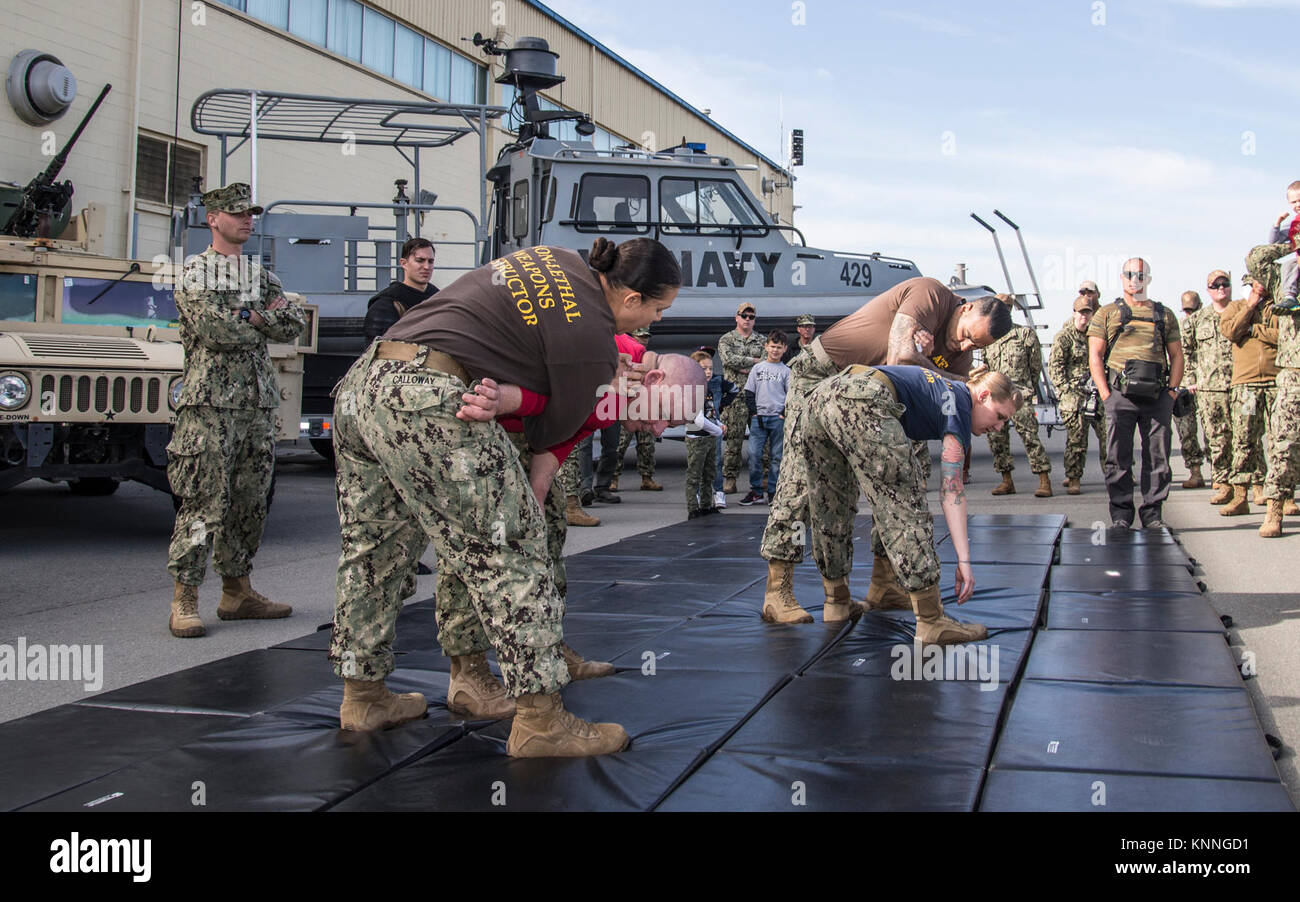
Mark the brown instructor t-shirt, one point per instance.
(536, 318)
(862, 337)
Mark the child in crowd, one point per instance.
(702, 449)
(765, 392)
(1290, 271)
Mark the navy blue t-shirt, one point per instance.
(935, 406)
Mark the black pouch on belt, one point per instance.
(1143, 380)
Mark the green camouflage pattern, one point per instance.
(1067, 362)
(1027, 427)
(855, 442)
(219, 463)
(645, 451)
(1017, 356)
(460, 631)
(233, 198)
(1284, 452)
(1188, 440)
(1288, 341)
(786, 532)
(1208, 352)
(1076, 434)
(226, 361)
(570, 475)
(736, 353)
(1250, 411)
(1067, 367)
(1261, 267)
(408, 468)
(1215, 411)
(701, 469)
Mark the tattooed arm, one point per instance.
(902, 346)
(952, 497)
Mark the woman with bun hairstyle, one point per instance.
(529, 336)
(861, 423)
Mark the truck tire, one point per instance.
(324, 447)
(93, 485)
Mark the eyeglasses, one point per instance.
(1222, 283)
(747, 316)
(1135, 276)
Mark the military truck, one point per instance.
(91, 366)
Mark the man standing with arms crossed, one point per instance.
(1136, 360)
(739, 349)
(222, 452)
(1209, 353)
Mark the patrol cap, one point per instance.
(1191, 301)
(746, 305)
(1082, 303)
(1088, 285)
(1217, 274)
(806, 319)
(233, 198)
(1260, 268)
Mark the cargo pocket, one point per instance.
(186, 455)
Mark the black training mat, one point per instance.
(1054, 521)
(736, 640)
(1033, 790)
(734, 781)
(884, 647)
(1174, 659)
(1011, 535)
(657, 598)
(672, 717)
(1166, 730)
(47, 752)
(266, 763)
(1125, 578)
(831, 718)
(1113, 536)
(1124, 556)
(725, 576)
(999, 553)
(1149, 611)
(244, 684)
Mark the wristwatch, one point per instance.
(244, 314)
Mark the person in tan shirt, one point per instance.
(1251, 326)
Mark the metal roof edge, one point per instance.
(565, 23)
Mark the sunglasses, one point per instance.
(747, 316)
(1135, 276)
(1222, 283)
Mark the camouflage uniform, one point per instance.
(222, 452)
(701, 469)
(854, 441)
(1187, 438)
(645, 452)
(570, 475)
(460, 631)
(1067, 365)
(407, 467)
(784, 536)
(736, 352)
(1209, 364)
(1284, 423)
(1018, 357)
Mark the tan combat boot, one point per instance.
(779, 605)
(1289, 508)
(1272, 526)
(840, 605)
(1072, 487)
(933, 627)
(1259, 495)
(1222, 493)
(574, 515)
(1006, 486)
(1196, 480)
(649, 485)
(884, 593)
(544, 729)
(184, 621)
(475, 692)
(240, 602)
(368, 705)
(729, 485)
(1240, 503)
(582, 669)
(1044, 489)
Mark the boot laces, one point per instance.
(482, 678)
(188, 605)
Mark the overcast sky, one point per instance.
(1158, 128)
